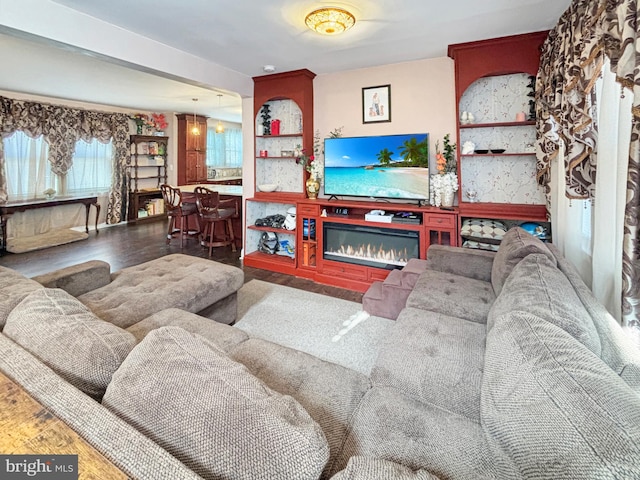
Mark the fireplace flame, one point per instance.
(372, 253)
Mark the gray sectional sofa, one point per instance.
(501, 365)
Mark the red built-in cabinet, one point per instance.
(491, 78)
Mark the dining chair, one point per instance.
(213, 212)
(178, 211)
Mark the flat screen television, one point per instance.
(384, 166)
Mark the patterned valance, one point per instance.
(61, 127)
(570, 64)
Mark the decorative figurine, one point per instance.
(468, 148)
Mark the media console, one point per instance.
(336, 245)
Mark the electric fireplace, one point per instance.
(378, 247)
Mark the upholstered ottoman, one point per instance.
(194, 284)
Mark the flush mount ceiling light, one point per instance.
(219, 126)
(330, 20)
(195, 130)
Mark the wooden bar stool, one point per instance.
(178, 210)
(213, 212)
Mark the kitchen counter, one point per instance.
(232, 190)
(224, 179)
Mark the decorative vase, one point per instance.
(313, 187)
(447, 198)
(138, 128)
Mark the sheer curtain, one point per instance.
(30, 171)
(92, 168)
(590, 233)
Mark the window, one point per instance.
(224, 149)
(92, 168)
(27, 167)
(29, 172)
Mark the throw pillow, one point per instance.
(480, 245)
(483, 230)
(515, 245)
(212, 414)
(72, 341)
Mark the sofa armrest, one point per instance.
(78, 279)
(466, 262)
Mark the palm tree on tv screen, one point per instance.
(415, 153)
(384, 157)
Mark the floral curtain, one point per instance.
(62, 127)
(571, 61)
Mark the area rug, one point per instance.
(332, 329)
(44, 240)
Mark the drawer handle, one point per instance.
(439, 220)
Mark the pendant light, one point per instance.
(219, 126)
(195, 131)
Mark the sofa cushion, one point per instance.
(465, 262)
(515, 245)
(368, 468)
(78, 279)
(136, 455)
(224, 336)
(13, 288)
(618, 350)
(537, 286)
(209, 412)
(329, 393)
(66, 336)
(446, 355)
(553, 407)
(453, 295)
(393, 426)
(177, 280)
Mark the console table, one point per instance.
(9, 208)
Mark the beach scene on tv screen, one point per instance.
(387, 166)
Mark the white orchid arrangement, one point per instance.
(316, 165)
(441, 185)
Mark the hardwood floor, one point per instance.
(125, 245)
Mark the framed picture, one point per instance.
(376, 104)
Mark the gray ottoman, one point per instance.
(194, 284)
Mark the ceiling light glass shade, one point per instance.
(330, 20)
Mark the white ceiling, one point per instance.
(244, 36)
